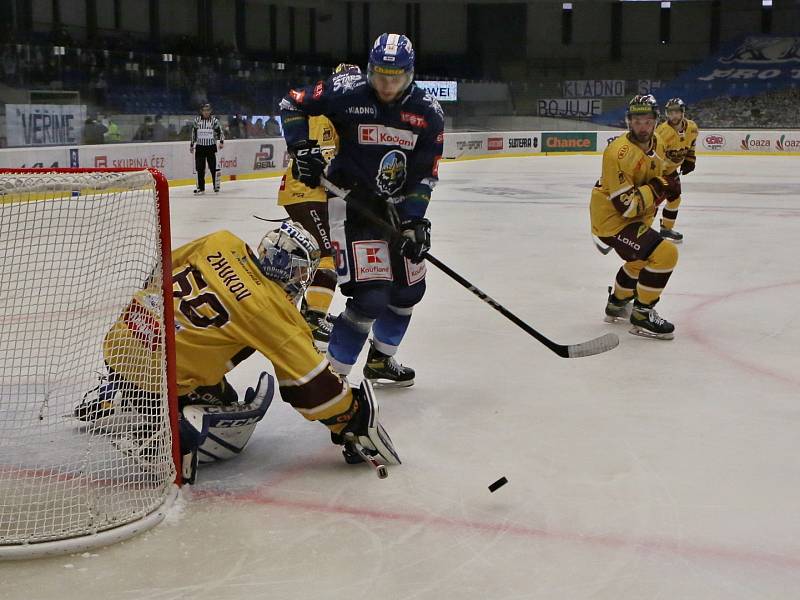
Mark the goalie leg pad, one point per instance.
(219, 432)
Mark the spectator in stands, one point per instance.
(93, 132)
(235, 126)
(112, 135)
(100, 86)
(253, 129)
(159, 131)
(185, 134)
(258, 129)
(273, 128)
(145, 131)
(199, 96)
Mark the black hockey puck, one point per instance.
(498, 484)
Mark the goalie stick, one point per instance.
(598, 345)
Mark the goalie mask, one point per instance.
(289, 256)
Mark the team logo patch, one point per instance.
(327, 135)
(386, 136)
(413, 119)
(391, 175)
(318, 89)
(348, 81)
(372, 262)
(415, 273)
(622, 152)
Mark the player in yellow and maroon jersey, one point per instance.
(623, 206)
(229, 303)
(309, 207)
(679, 136)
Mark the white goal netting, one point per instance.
(74, 250)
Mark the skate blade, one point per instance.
(389, 383)
(636, 330)
(621, 319)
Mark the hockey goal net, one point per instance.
(76, 245)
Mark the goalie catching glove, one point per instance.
(308, 163)
(415, 239)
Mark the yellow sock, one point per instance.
(656, 273)
(319, 294)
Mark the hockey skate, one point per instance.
(216, 184)
(100, 402)
(198, 191)
(364, 437)
(320, 324)
(647, 323)
(113, 406)
(617, 310)
(383, 370)
(671, 235)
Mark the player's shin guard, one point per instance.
(350, 331)
(654, 276)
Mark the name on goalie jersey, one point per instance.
(386, 136)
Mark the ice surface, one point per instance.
(660, 470)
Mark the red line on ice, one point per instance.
(656, 545)
(693, 331)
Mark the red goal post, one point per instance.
(76, 245)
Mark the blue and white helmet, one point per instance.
(289, 255)
(392, 54)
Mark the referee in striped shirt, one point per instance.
(206, 130)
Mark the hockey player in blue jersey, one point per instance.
(391, 136)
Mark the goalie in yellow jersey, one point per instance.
(229, 303)
(309, 207)
(623, 206)
(679, 136)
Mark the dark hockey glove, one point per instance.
(659, 186)
(673, 191)
(308, 162)
(416, 239)
(687, 167)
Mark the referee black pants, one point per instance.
(203, 154)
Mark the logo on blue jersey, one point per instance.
(391, 172)
(348, 81)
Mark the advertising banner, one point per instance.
(569, 141)
(751, 66)
(750, 141)
(569, 107)
(443, 91)
(593, 88)
(44, 124)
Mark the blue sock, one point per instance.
(389, 329)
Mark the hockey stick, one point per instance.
(380, 469)
(598, 345)
(601, 248)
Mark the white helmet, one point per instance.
(289, 256)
